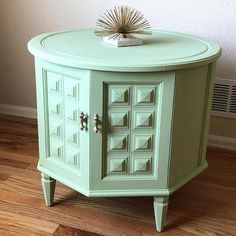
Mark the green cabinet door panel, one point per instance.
(132, 147)
(129, 121)
(62, 94)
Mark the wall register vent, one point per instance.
(224, 98)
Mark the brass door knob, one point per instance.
(82, 120)
(96, 123)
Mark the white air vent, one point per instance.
(224, 98)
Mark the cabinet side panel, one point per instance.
(41, 113)
(206, 118)
(189, 124)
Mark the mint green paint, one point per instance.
(159, 127)
(153, 122)
(161, 51)
(48, 141)
(160, 205)
(48, 186)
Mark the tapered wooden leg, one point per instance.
(160, 205)
(48, 185)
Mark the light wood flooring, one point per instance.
(204, 206)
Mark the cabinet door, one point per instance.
(63, 145)
(131, 149)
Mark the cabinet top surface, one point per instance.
(160, 51)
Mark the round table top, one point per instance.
(160, 51)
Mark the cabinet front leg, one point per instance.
(48, 185)
(160, 205)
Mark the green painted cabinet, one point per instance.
(129, 121)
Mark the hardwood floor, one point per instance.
(204, 206)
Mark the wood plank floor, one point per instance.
(204, 206)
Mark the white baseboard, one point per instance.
(222, 142)
(11, 110)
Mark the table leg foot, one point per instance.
(160, 205)
(48, 185)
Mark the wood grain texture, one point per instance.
(69, 231)
(204, 206)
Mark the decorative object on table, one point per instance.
(121, 24)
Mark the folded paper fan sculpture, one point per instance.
(121, 24)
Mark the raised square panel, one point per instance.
(71, 111)
(56, 128)
(141, 165)
(72, 135)
(143, 119)
(117, 165)
(144, 95)
(55, 106)
(54, 82)
(56, 150)
(119, 95)
(71, 88)
(72, 156)
(142, 143)
(118, 143)
(118, 119)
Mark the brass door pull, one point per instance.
(96, 123)
(82, 120)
